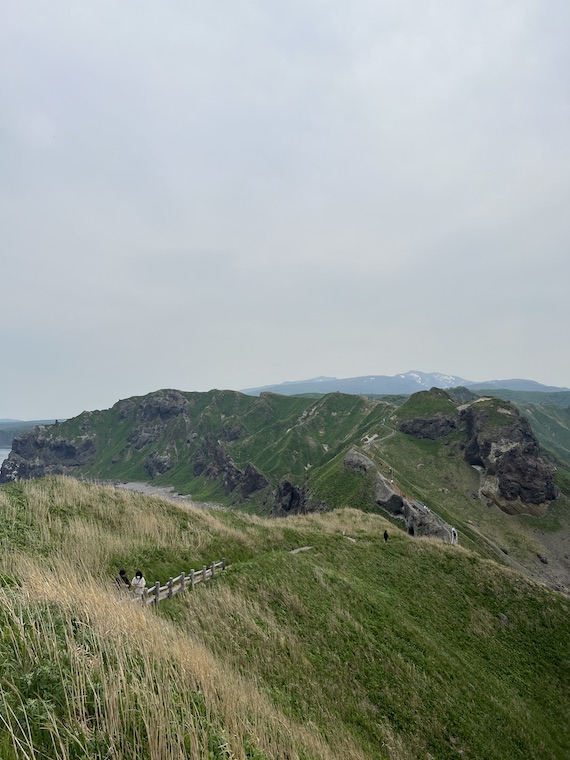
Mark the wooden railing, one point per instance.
(155, 594)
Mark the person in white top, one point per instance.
(138, 583)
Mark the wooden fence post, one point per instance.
(192, 577)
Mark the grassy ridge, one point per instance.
(434, 473)
(352, 649)
(305, 440)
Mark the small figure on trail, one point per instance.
(385, 536)
(138, 583)
(390, 470)
(122, 580)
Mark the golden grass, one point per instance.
(142, 663)
(150, 688)
(157, 671)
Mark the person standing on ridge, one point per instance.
(138, 583)
(385, 536)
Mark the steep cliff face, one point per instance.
(213, 461)
(430, 428)
(502, 442)
(419, 519)
(238, 447)
(157, 436)
(36, 453)
(290, 499)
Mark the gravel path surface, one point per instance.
(166, 492)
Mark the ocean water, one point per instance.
(4, 454)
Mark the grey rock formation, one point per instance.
(290, 500)
(214, 462)
(514, 474)
(34, 454)
(432, 428)
(252, 480)
(514, 469)
(419, 519)
(157, 464)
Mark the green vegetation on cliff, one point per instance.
(234, 449)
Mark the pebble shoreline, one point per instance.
(165, 492)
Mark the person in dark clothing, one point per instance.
(122, 580)
(385, 536)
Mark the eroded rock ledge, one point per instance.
(514, 474)
(34, 455)
(420, 521)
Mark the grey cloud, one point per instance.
(236, 193)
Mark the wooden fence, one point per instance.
(155, 594)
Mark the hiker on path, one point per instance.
(385, 536)
(138, 583)
(123, 581)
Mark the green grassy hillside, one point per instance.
(203, 443)
(551, 425)
(349, 649)
(436, 474)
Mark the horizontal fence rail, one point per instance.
(180, 584)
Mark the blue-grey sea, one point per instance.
(4, 454)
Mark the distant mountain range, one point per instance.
(406, 383)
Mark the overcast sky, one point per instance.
(240, 192)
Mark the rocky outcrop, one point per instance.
(142, 436)
(162, 406)
(434, 427)
(213, 462)
(232, 431)
(515, 473)
(419, 519)
(154, 434)
(35, 454)
(290, 500)
(252, 480)
(158, 463)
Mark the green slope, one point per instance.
(551, 425)
(350, 649)
(305, 440)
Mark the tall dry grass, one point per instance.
(134, 684)
(91, 525)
